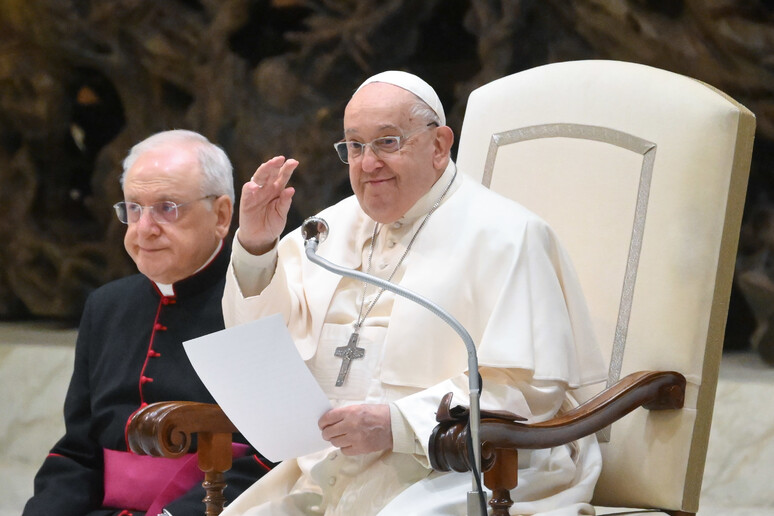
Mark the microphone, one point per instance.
(314, 231)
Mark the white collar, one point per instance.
(423, 205)
(168, 289)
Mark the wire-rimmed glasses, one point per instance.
(350, 149)
(164, 212)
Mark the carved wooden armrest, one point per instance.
(502, 434)
(165, 429)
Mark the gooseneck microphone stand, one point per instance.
(314, 231)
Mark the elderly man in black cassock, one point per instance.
(178, 202)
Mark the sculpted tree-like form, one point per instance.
(81, 81)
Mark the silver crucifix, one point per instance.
(348, 353)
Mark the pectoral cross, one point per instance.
(348, 353)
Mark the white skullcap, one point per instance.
(415, 85)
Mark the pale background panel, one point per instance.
(35, 367)
(36, 362)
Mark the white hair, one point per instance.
(421, 110)
(217, 171)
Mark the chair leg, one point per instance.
(214, 484)
(501, 478)
(214, 459)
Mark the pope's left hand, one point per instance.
(358, 429)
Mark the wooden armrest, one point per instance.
(166, 428)
(503, 435)
(659, 390)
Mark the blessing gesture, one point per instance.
(264, 205)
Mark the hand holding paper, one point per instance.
(256, 375)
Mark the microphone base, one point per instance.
(474, 505)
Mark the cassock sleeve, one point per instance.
(252, 280)
(252, 272)
(536, 342)
(511, 389)
(249, 280)
(69, 483)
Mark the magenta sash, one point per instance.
(148, 484)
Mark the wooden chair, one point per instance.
(643, 174)
(167, 429)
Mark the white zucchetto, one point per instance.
(412, 83)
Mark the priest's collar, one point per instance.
(166, 289)
(423, 205)
(171, 290)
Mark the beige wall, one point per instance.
(36, 363)
(35, 367)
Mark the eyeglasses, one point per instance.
(164, 212)
(349, 149)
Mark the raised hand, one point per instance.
(358, 429)
(263, 209)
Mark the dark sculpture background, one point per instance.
(82, 80)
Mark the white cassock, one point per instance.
(500, 271)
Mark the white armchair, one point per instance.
(643, 174)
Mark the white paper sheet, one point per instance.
(256, 375)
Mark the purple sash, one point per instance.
(146, 483)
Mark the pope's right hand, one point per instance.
(263, 209)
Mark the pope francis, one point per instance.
(417, 221)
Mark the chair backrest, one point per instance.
(642, 173)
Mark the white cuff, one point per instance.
(403, 438)
(252, 272)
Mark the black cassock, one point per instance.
(129, 353)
